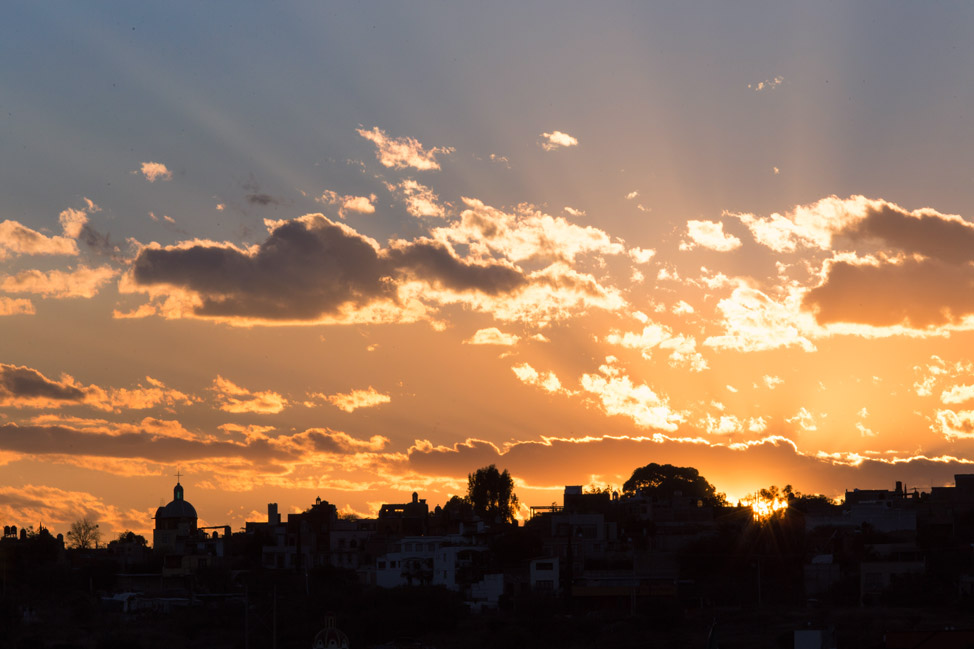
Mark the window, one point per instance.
(545, 565)
(382, 565)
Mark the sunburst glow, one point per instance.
(764, 508)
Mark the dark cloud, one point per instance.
(325, 443)
(915, 293)
(924, 233)
(60, 440)
(733, 470)
(299, 272)
(100, 244)
(262, 199)
(923, 276)
(24, 383)
(309, 268)
(434, 263)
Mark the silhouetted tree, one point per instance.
(84, 534)
(664, 480)
(129, 536)
(491, 493)
(458, 506)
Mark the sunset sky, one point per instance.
(355, 251)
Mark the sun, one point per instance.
(764, 508)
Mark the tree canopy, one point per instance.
(491, 493)
(665, 480)
(84, 534)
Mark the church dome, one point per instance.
(330, 637)
(178, 508)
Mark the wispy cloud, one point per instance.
(547, 381)
(767, 84)
(236, 399)
(681, 349)
(527, 233)
(356, 399)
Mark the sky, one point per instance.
(353, 251)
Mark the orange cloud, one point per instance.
(139, 398)
(25, 387)
(557, 140)
(17, 239)
(402, 152)
(491, 336)
(420, 200)
(81, 282)
(154, 171)
(15, 306)
(73, 221)
(357, 204)
(709, 234)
